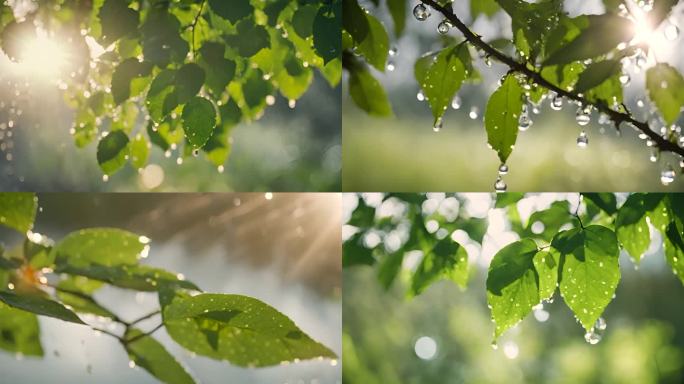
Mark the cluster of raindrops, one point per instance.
(595, 334)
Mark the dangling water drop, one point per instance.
(500, 186)
(653, 157)
(600, 324)
(557, 103)
(495, 346)
(438, 125)
(443, 27)
(420, 12)
(474, 113)
(456, 102)
(624, 79)
(503, 169)
(668, 175)
(105, 178)
(420, 95)
(391, 66)
(582, 140)
(582, 116)
(641, 60)
(488, 61)
(592, 337)
(524, 122)
(393, 51)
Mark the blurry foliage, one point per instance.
(179, 72)
(575, 252)
(60, 279)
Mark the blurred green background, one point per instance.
(287, 150)
(403, 153)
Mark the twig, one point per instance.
(536, 77)
(149, 315)
(194, 25)
(140, 336)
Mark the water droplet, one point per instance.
(592, 337)
(582, 140)
(667, 175)
(495, 346)
(641, 60)
(524, 122)
(131, 364)
(456, 102)
(438, 125)
(391, 66)
(420, 12)
(582, 116)
(474, 113)
(500, 186)
(600, 324)
(503, 169)
(393, 51)
(624, 79)
(488, 61)
(105, 178)
(671, 32)
(653, 157)
(443, 27)
(420, 95)
(557, 103)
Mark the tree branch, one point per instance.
(617, 116)
(144, 318)
(140, 336)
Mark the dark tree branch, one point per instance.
(140, 319)
(140, 336)
(617, 116)
(194, 25)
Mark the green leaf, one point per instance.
(327, 32)
(552, 218)
(236, 328)
(220, 71)
(512, 288)
(502, 116)
(149, 354)
(596, 74)
(118, 20)
(137, 277)
(199, 121)
(102, 246)
(39, 306)
(124, 84)
(112, 152)
(612, 30)
(483, 7)
(189, 80)
(447, 260)
(397, 9)
(674, 250)
(303, 19)
(76, 291)
(248, 47)
(161, 41)
(233, 10)
(18, 210)
(666, 89)
(375, 46)
(19, 332)
(546, 265)
(590, 271)
(503, 200)
(354, 252)
(161, 98)
(605, 201)
(368, 93)
(632, 228)
(355, 21)
(440, 76)
(140, 151)
(531, 23)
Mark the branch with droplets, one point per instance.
(617, 117)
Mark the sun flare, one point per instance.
(42, 57)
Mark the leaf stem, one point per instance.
(194, 25)
(617, 116)
(140, 336)
(140, 319)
